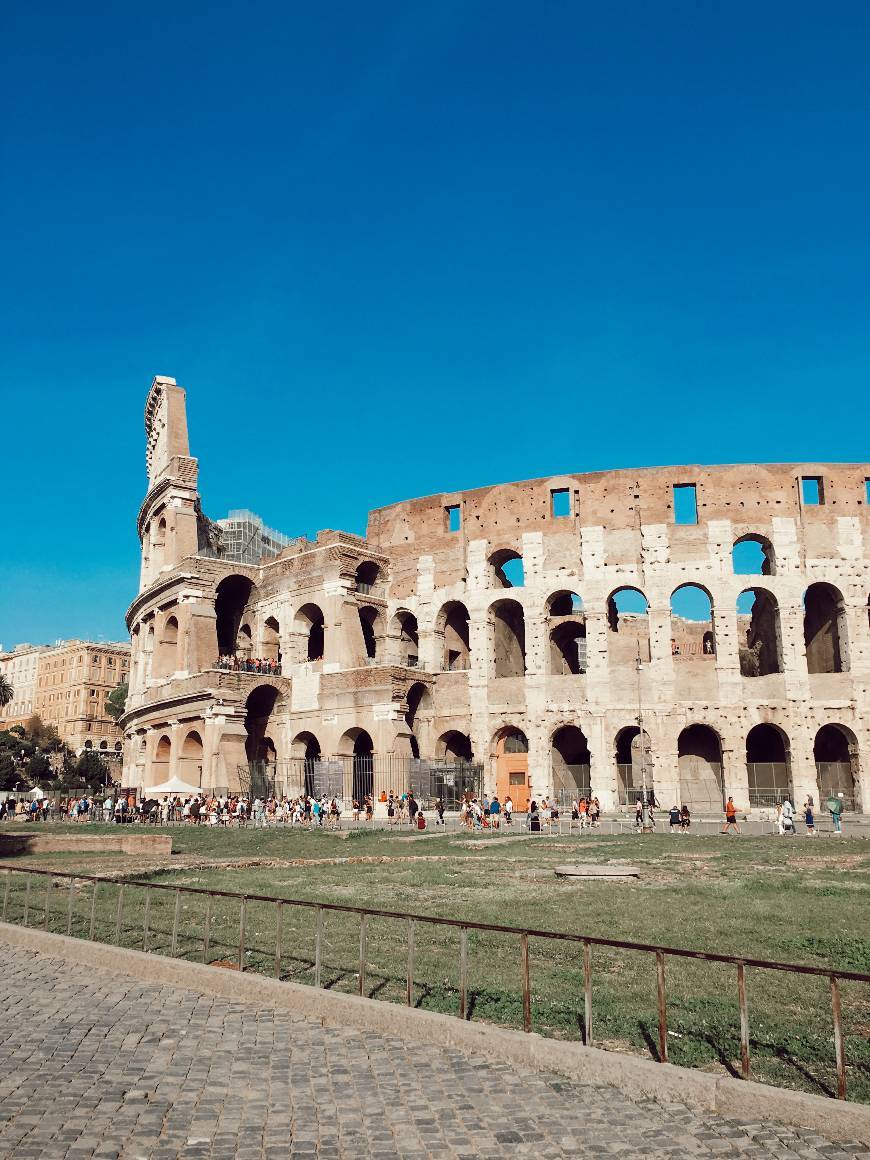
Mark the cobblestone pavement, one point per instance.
(94, 1063)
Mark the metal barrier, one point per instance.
(409, 921)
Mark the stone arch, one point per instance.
(305, 749)
(825, 634)
(566, 623)
(420, 706)
(702, 785)
(570, 762)
(157, 553)
(260, 709)
(452, 625)
(357, 745)
(564, 603)
(759, 633)
(753, 555)
(309, 631)
(455, 746)
(190, 762)
(627, 626)
(692, 632)
(634, 764)
(405, 638)
(835, 751)
(367, 575)
(232, 596)
(160, 766)
(372, 624)
(768, 765)
(271, 647)
(508, 635)
(165, 661)
(506, 569)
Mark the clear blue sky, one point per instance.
(392, 249)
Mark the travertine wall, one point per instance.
(619, 532)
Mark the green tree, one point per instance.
(8, 772)
(116, 701)
(90, 769)
(39, 769)
(6, 691)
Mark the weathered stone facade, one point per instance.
(421, 639)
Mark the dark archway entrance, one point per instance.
(231, 597)
(768, 768)
(700, 763)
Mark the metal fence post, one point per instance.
(146, 920)
(318, 947)
(527, 993)
(69, 905)
(93, 925)
(587, 993)
(27, 899)
(207, 935)
(242, 909)
(118, 914)
(463, 972)
(409, 986)
(744, 1021)
(363, 948)
(838, 1038)
(47, 900)
(6, 895)
(663, 1012)
(175, 919)
(279, 931)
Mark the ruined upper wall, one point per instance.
(165, 427)
(749, 496)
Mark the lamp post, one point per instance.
(646, 826)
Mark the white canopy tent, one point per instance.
(174, 787)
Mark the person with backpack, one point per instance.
(787, 817)
(674, 819)
(835, 809)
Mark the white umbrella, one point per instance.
(36, 792)
(174, 786)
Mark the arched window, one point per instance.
(825, 635)
(567, 634)
(271, 649)
(166, 657)
(699, 757)
(768, 766)
(190, 765)
(692, 622)
(261, 705)
(406, 639)
(506, 569)
(367, 576)
(836, 755)
(628, 626)
(371, 624)
(759, 633)
(752, 555)
(571, 763)
(231, 598)
(452, 623)
(508, 629)
(309, 632)
(160, 765)
(454, 746)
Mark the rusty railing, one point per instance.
(523, 934)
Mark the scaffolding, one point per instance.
(246, 539)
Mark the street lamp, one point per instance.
(646, 826)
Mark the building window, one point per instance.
(560, 503)
(454, 517)
(812, 491)
(685, 503)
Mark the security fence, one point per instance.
(423, 956)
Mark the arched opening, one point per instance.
(759, 633)
(506, 569)
(634, 765)
(453, 623)
(271, 648)
(371, 622)
(627, 626)
(166, 656)
(157, 555)
(190, 765)
(567, 634)
(309, 632)
(571, 763)
(357, 744)
(367, 576)
(699, 759)
(825, 635)
(419, 702)
(245, 642)
(160, 764)
(305, 750)
(752, 555)
(768, 766)
(260, 707)
(406, 639)
(512, 766)
(455, 746)
(508, 629)
(104, 745)
(835, 751)
(231, 598)
(692, 622)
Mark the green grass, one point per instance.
(793, 901)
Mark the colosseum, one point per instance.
(704, 630)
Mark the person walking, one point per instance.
(788, 818)
(809, 817)
(674, 819)
(685, 819)
(439, 812)
(508, 810)
(494, 812)
(730, 816)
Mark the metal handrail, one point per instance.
(835, 977)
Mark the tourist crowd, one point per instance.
(262, 665)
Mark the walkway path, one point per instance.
(96, 1064)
